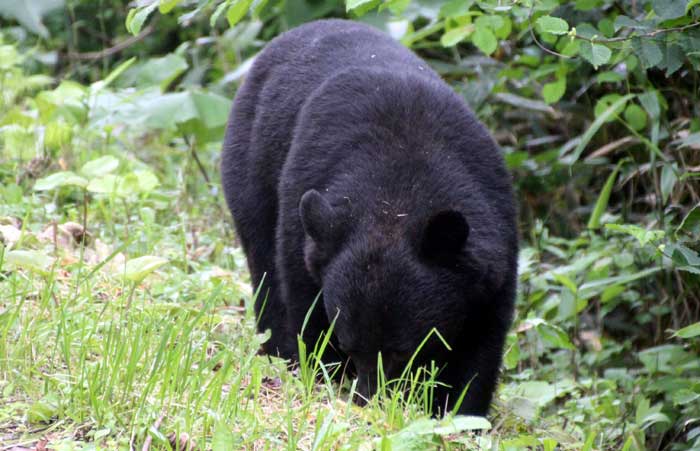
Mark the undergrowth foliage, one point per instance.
(124, 318)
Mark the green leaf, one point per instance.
(554, 335)
(689, 331)
(237, 11)
(107, 184)
(43, 410)
(648, 52)
(644, 236)
(617, 280)
(156, 71)
(554, 25)
(623, 21)
(554, 91)
(593, 129)
(674, 58)
(596, 54)
(668, 180)
(137, 269)
(218, 12)
(604, 102)
(635, 116)
(354, 4)
(484, 40)
(137, 17)
(456, 35)
(223, 438)
(34, 261)
(690, 223)
(100, 166)
(29, 13)
(602, 203)
(59, 179)
(201, 113)
(165, 6)
(669, 9)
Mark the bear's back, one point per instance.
(289, 69)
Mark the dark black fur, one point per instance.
(351, 167)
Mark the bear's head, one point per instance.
(387, 288)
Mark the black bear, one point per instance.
(352, 170)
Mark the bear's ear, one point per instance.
(316, 216)
(445, 235)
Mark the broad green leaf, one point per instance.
(596, 54)
(484, 39)
(648, 51)
(147, 181)
(43, 410)
(165, 6)
(595, 285)
(137, 269)
(155, 71)
(682, 255)
(539, 392)
(554, 91)
(593, 129)
(29, 13)
(691, 222)
(512, 354)
(623, 21)
(554, 335)
(223, 438)
(218, 12)
(59, 179)
(601, 203)
(635, 116)
(456, 35)
(644, 236)
(354, 4)
(674, 58)
(100, 166)
(604, 102)
(668, 180)
(689, 331)
(237, 11)
(107, 184)
(669, 9)
(34, 261)
(553, 25)
(201, 113)
(137, 17)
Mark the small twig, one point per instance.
(534, 38)
(201, 167)
(87, 56)
(651, 34)
(149, 438)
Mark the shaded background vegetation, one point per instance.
(595, 104)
